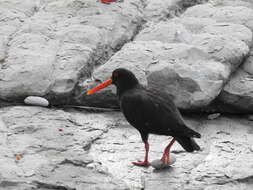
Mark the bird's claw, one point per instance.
(144, 163)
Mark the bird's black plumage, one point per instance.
(150, 111)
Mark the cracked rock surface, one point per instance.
(47, 46)
(45, 148)
(224, 162)
(190, 57)
(49, 149)
(197, 51)
(236, 96)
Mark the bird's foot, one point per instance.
(144, 163)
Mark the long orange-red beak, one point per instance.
(99, 87)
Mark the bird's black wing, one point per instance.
(150, 112)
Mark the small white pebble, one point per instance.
(91, 166)
(36, 100)
(213, 116)
(158, 164)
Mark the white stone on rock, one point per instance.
(158, 164)
(36, 101)
(213, 116)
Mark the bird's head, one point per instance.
(122, 78)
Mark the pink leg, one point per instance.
(166, 153)
(145, 162)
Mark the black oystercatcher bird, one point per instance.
(150, 112)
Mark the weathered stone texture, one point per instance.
(224, 162)
(54, 147)
(217, 45)
(52, 44)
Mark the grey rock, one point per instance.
(236, 31)
(54, 44)
(194, 25)
(228, 43)
(2, 47)
(232, 14)
(184, 72)
(236, 94)
(162, 9)
(191, 28)
(224, 44)
(247, 66)
(52, 144)
(224, 160)
(166, 32)
(13, 14)
(245, 3)
(238, 91)
(51, 48)
(24, 70)
(223, 49)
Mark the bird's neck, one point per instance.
(122, 89)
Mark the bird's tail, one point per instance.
(188, 143)
(191, 133)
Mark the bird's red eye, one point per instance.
(115, 74)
